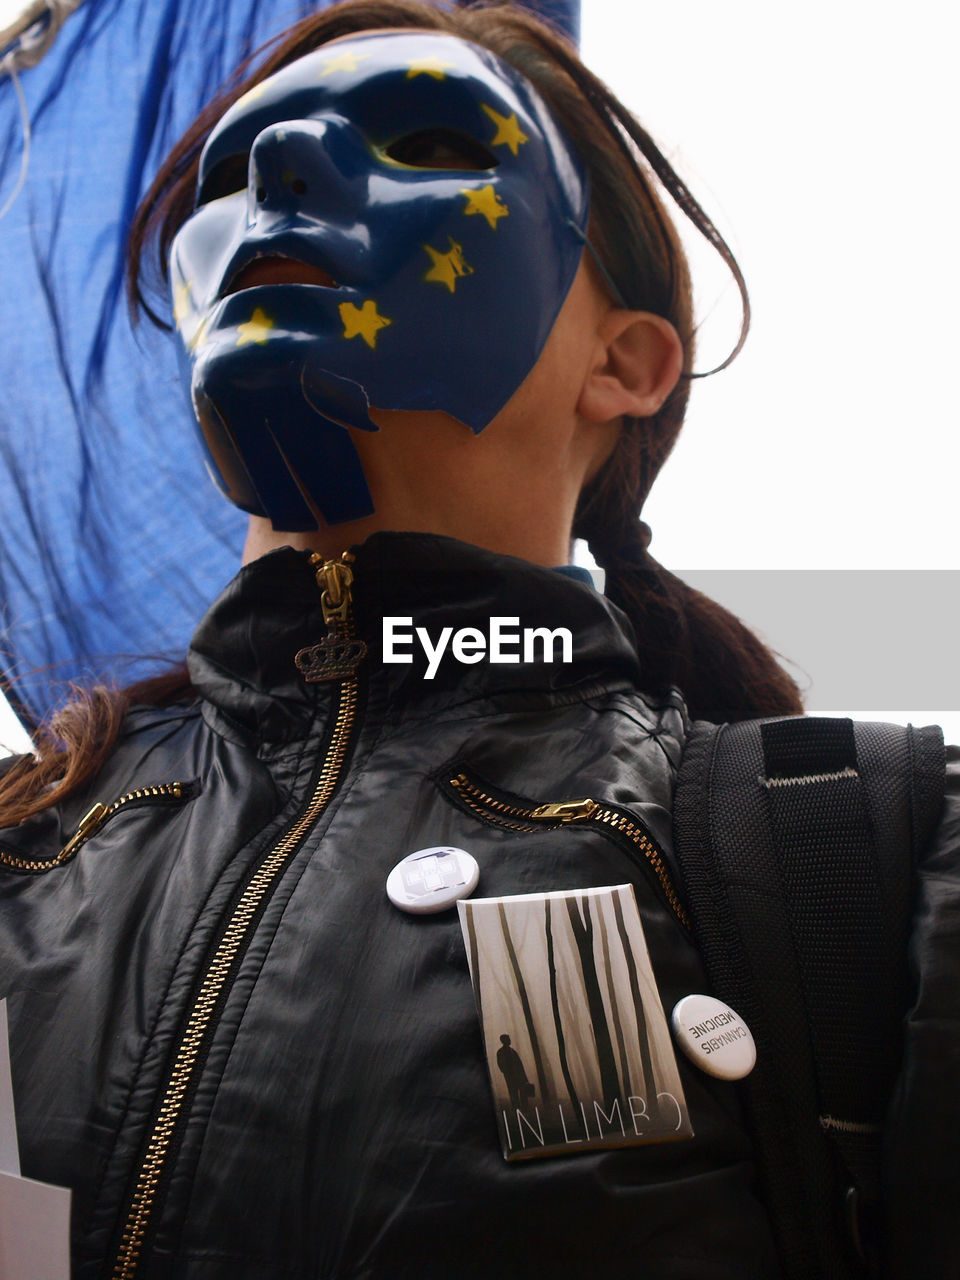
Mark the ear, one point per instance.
(638, 359)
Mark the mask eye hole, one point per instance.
(226, 178)
(440, 149)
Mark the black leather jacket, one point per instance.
(243, 1059)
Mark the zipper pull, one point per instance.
(339, 653)
(88, 825)
(335, 579)
(566, 810)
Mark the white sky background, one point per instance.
(10, 11)
(822, 140)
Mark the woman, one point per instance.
(244, 1056)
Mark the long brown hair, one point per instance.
(684, 638)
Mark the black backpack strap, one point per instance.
(795, 840)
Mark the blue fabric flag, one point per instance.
(113, 539)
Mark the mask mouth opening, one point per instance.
(278, 269)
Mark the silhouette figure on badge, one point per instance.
(511, 1064)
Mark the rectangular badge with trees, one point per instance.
(577, 1045)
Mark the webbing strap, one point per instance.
(806, 746)
(852, 973)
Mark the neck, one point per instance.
(538, 546)
(512, 489)
(456, 484)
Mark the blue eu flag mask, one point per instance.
(393, 221)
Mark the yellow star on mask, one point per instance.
(181, 303)
(362, 321)
(434, 67)
(486, 202)
(257, 328)
(343, 62)
(447, 267)
(509, 133)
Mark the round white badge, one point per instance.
(713, 1036)
(432, 879)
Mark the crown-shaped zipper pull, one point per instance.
(339, 653)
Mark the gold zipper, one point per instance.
(91, 822)
(239, 926)
(518, 817)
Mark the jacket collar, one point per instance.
(242, 658)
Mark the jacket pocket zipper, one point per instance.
(92, 821)
(624, 827)
(335, 658)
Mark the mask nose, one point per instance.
(307, 168)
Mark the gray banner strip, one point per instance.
(853, 638)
